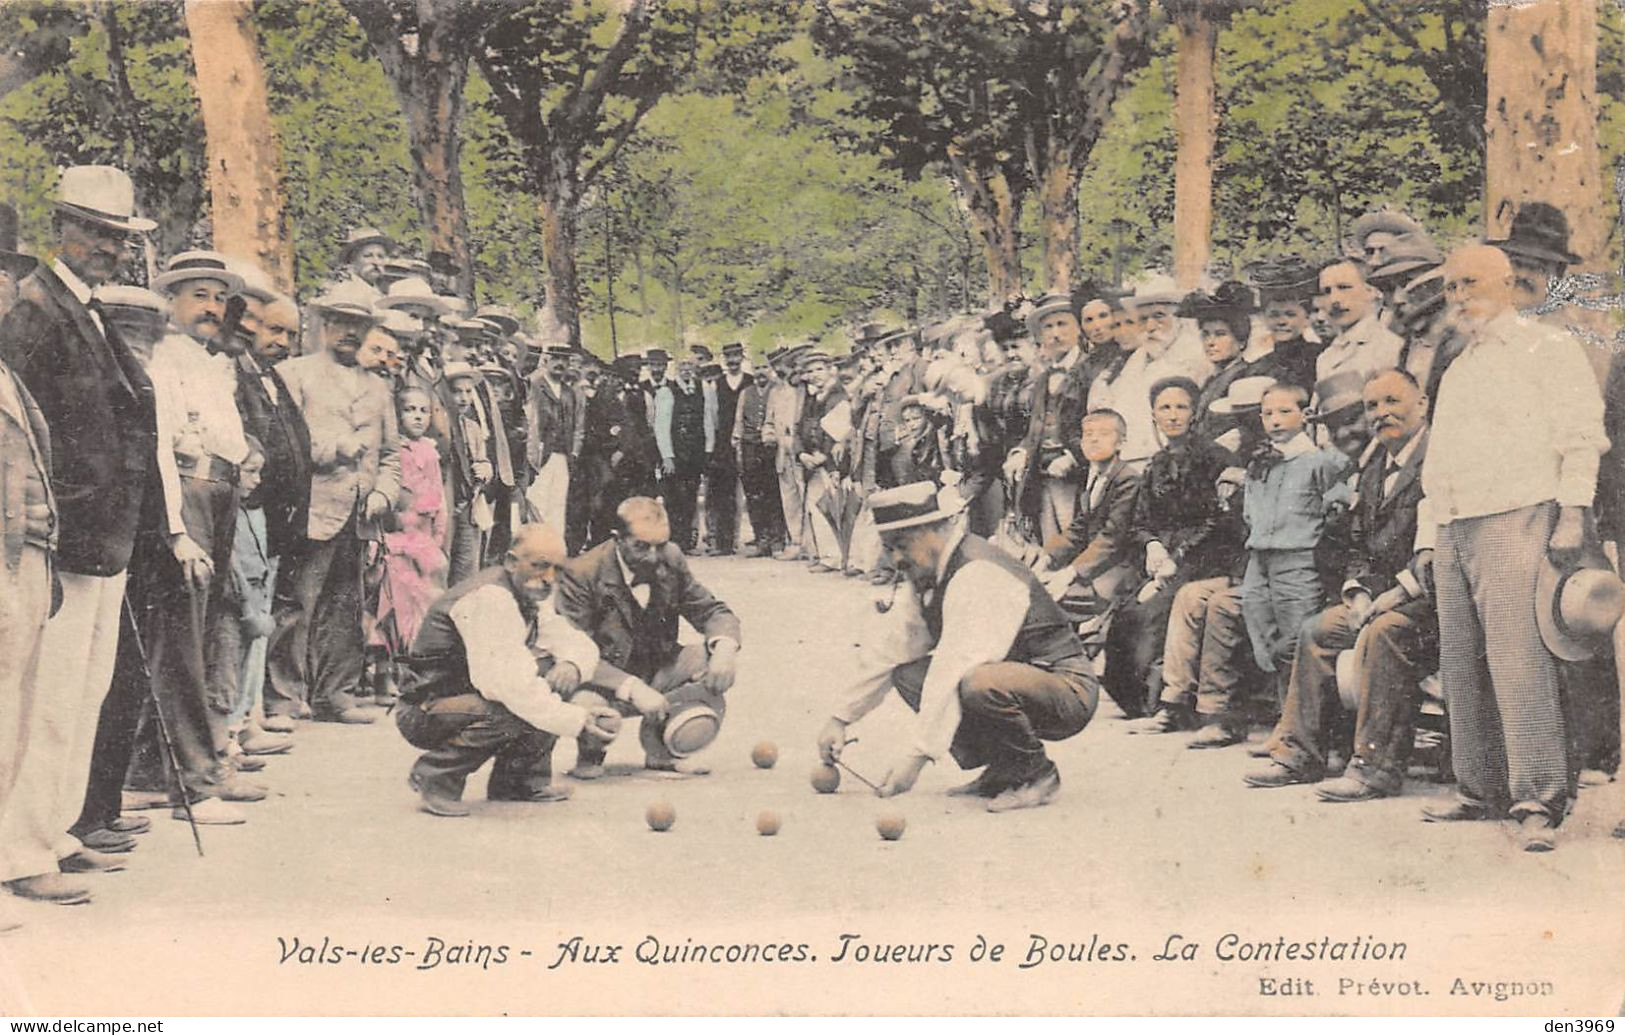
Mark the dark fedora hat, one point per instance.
(1539, 231)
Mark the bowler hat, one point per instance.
(442, 262)
(657, 356)
(559, 349)
(734, 348)
(693, 718)
(197, 266)
(917, 503)
(360, 237)
(871, 331)
(1539, 231)
(1577, 610)
(101, 194)
(1340, 392)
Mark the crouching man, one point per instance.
(488, 675)
(628, 593)
(978, 648)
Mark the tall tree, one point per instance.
(244, 160)
(425, 47)
(1196, 125)
(1006, 97)
(1541, 120)
(573, 80)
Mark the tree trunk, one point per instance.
(1195, 129)
(1058, 218)
(995, 211)
(428, 84)
(561, 198)
(244, 160)
(1541, 121)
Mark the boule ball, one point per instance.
(660, 816)
(825, 779)
(767, 824)
(765, 754)
(891, 827)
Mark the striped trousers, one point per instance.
(1508, 744)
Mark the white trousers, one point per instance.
(790, 497)
(550, 492)
(825, 547)
(59, 696)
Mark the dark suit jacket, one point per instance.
(1102, 537)
(1382, 532)
(1069, 403)
(634, 641)
(284, 492)
(552, 419)
(98, 402)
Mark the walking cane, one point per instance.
(163, 726)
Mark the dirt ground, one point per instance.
(1149, 850)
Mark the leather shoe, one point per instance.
(86, 860)
(49, 887)
(1259, 750)
(987, 784)
(130, 825)
(540, 793)
(436, 804)
(1536, 832)
(259, 742)
(233, 788)
(277, 724)
(1349, 788)
(105, 840)
(820, 568)
(135, 801)
(1029, 795)
(245, 764)
(1217, 735)
(212, 812)
(1168, 720)
(1457, 811)
(588, 771)
(1277, 775)
(351, 716)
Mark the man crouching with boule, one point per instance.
(488, 675)
(975, 645)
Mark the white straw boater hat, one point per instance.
(918, 503)
(413, 291)
(197, 266)
(693, 718)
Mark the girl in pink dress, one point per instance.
(414, 562)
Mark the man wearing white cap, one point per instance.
(315, 654)
(201, 443)
(96, 401)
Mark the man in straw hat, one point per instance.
(1046, 463)
(315, 654)
(553, 413)
(361, 262)
(1506, 486)
(488, 676)
(976, 646)
(96, 400)
(628, 594)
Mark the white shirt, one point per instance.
(502, 662)
(1367, 346)
(1518, 422)
(641, 590)
(194, 397)
(79, 289)
(982, 611)
(1130, 395)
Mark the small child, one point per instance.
(414, 564)
(1292, 486)
(917, 456)
(252, 586)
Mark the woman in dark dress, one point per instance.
(1186, 533)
